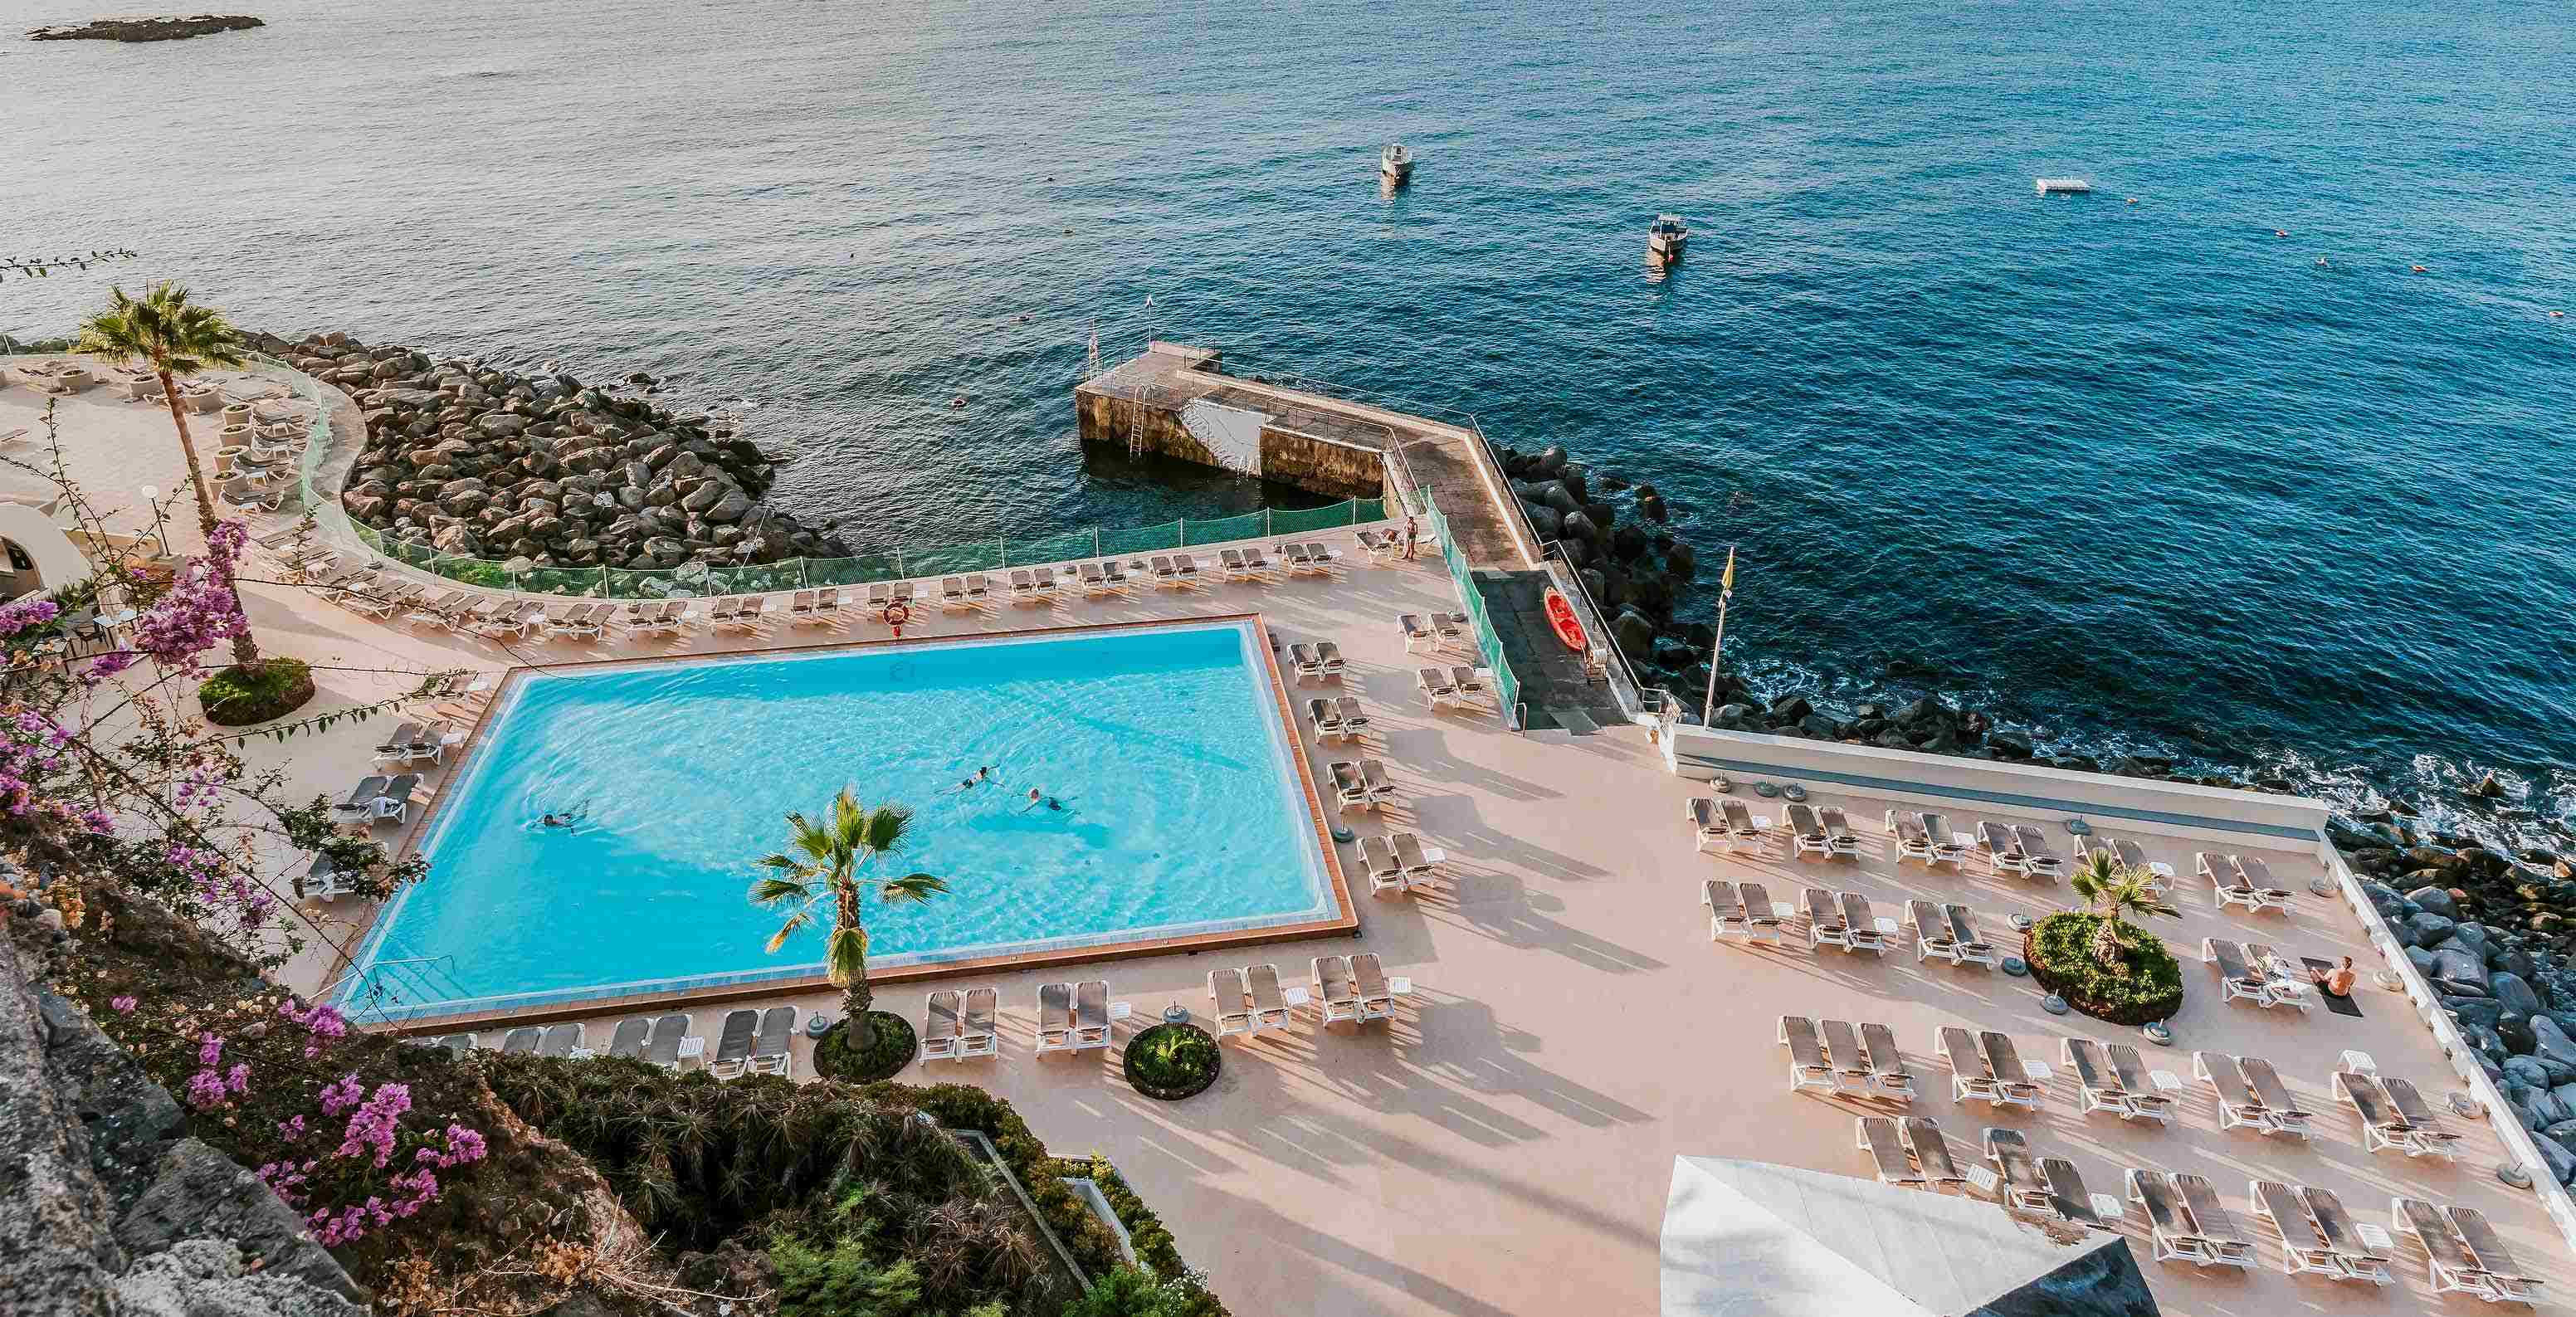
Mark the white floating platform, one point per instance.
(2048, 185)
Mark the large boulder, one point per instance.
(2437, 900)
(2512, 994)
(1634, 632)
(2459, 973)
(2427, 930)
(2561, 1163)
(2550, 1043)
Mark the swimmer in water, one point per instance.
(970, 783)
(568, 817)
(1037, 798)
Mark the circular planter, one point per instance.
(234, 699)
(891, 1047)
(2074, 988)
(1203, 1061)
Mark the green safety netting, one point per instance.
(1141, 539)
(1053, 548)
(564, 580)
(951, 559)
(1249, 526)
(1294, 521)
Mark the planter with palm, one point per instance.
(2113, 889)
(817, 879)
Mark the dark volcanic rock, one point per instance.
(147, 29)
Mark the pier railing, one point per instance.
(902, 562)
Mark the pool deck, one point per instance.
(1505, 1144)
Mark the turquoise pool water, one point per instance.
(1183, 813)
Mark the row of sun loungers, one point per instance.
(1075, 1017)
(2018, 848)
(754, 1043)
(1846, 920)
(1400, 862)
(1454, 686)
(1840, 1057)
(2254, 972)
(2115, 1079)
(958, 1025)
(377, 796)
(1339, 716)
(1317, 660)
(1915, 1152)
(2394, 1116)
(2250, 1094)
(1353, 988)
(2463, 1253)
(1435, 631)
(414, 743)
(2243, 880)
(1986, 1067)
(564, 1040)
(1361, 784)
(1811, 831)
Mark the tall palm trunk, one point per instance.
(245, 650)
(2106, 942)
(857, 998)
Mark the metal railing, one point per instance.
(1489, 643)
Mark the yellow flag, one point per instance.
(1729, 582)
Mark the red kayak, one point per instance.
(1560, 615)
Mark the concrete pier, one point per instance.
(1176, 401)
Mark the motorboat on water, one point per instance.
(1395, 163)
(1666, 237)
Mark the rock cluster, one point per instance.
(544, 471)
(2490, 932)
(1635, 570)
(146, 29)
(110, 1206)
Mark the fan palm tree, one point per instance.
(821, 864)
(176, 338)
(2112, 889)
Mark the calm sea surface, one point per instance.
(2142, 474)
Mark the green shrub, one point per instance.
(2146, 986)
(890, 1046)
(1173, 1061)
(1128, 1292)
(236, 698)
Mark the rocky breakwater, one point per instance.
(545, 471)
(146, 29)
(2491, 932)
(1612, 534)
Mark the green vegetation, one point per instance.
(2113, 889)
(890, 1047)
(2142, 982)
(1173, 1061)
(1128, 1292)
(239, 696)
(821, 863)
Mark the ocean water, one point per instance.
(1179, 812)
(2135, 474)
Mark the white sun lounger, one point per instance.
(1933, 939)
(1877, 1136)
(2494, 1259)
(2002, 849)
(1840, 840)
(769, 1048)
(1707, 824)
(2210, 1219)
(1269, 1004)
(1805, 833)
(1419, 863)
(1923, 1138)
(2430, 1138)
(2236, 981)
(939, 1026)
(1761, 918)
(2016, 1180)
(1860, 926)
(670, 1032)
(2169, 1228)
(628, 1038)
(1417, 632)
(1912, 842)
(2303, 1250)
(1377, 991)
(1808, 1068)
(2037, 859)
(2149, 1092)
(1946, 846)
(1742, 831)
(1232, 1004)
(2449, 1266)
(1970, 1079)
(1094, 1013)
(980, 1034)
(2073, 1203)
(1335, 995)
(1055, 1018)
(1436, 687)
(1725, 909)
(1825, 926)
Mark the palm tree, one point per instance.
(177, 338)
(2112, 888)
(821, 863)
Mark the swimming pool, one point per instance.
(1184, 814)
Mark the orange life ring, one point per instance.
(897, 613)
(1560, 615)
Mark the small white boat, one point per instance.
(1666, 237)
(2048, 185)
(1395, 163)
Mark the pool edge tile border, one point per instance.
(1343, 923)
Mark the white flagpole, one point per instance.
(1725, 592)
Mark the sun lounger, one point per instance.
(940, 1024)
(1887, 1074)
(1807, 1065)
(2280, 976)
(1325, 717)
(2382, 1129)
(2133, 857)
(1379, 544)
(522, 1041)
(827, 600)
(1093, 1013)
(1932, 937)
(359, 806)
(1931, 1151)
(1230, 562)
(1373, 777)
(2019, 1081)
(1417, 632)
(733, 1044)
(1352, 719)
(1877, 1136)
(2210, 1219)
(2236, 981)
(1055, 1018)
(1349, 788)
(1740, 827)
(1963, 930)
(1165, 573)
(800, 606)
(720, 611)
(1335, 995)
(628, 1039)
(2237, 1104)
(2426, 1127)
(1471, 685)
(395, 803)
(1761, 920)
(2015, 1180)
(2145, 1089)
(663, 1048)
(1839, 837)
(2449, 1267)
(1805, 833)
(1094, 582)
(1269, 1004)
(2169, 1228)
(1186, 567)
(1436, 687)
(2356, 1258)
(1320, 557)
(2072, 1201)
(748, 611)
(1912, 842)
(2036, 857)
(2302, 1248)
(1304, 662)
(1377, 991)
(1860, 926)
(1725, 908)
(1843, 1051)
(563, 1040)
(1328, 660)
(2494, 1259)
(1419, 863)
(397, 748)
(2097, 1089)
(1256, 564)
(1825, 927)
(2278, 1107)
(980, 1034)
(1233, 1005)
(2256, 876)
(769, 1048)
(1946, 847)
(1385, 872)
(1970, 1079)
(2002, 849)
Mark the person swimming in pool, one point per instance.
(568, 817)
(1037, 798)
(970, 783)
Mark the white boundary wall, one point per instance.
(2214, 812)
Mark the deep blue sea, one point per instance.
(2135, 473)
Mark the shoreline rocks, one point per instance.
(147, 29)
(544, 470)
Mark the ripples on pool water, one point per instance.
(1174, 809)
(2142, 474)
